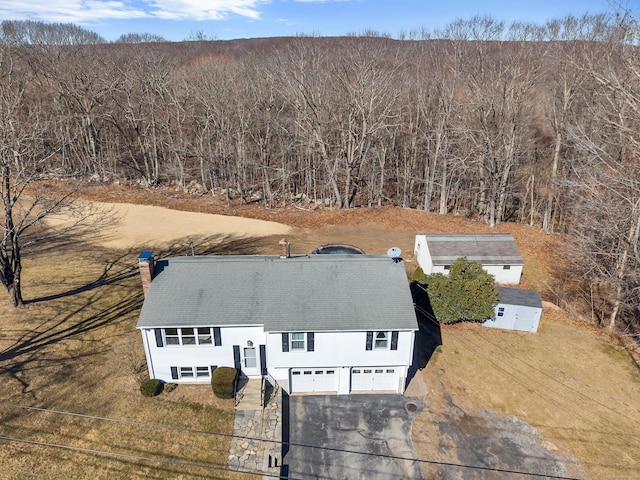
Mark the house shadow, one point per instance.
(428, 337)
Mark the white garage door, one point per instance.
(381, 378)
(314, 380)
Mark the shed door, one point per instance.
(314, 380)
(525, 319)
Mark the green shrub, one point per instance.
(467, 294)
(170, 387)
(223, 381)
(151, 388)
(419, 276)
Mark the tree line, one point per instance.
(537, 124)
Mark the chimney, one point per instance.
(284, 248)
(146, 263)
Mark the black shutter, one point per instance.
(213, 368)
(394, 340)
(285, 342)
(217, 339)
(236, 358)
(263, 359)
(310, 341)
(369, 340)
(158, 332)
(174, 373)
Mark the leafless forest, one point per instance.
(502, 123)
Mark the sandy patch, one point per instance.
(138, 225)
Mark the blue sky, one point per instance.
(228, 19)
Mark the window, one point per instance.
(250, 357)
(171, 336)
(506, 267)
(204, 336)
(188, 336)
(501, 311)
(178, 373)
(447, 267)
(297, 341)
(382, 340)
(193, 336)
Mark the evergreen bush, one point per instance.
(223, 380)
(467, 294)
(151, 387)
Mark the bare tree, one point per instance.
(605, 223)
(25, 157)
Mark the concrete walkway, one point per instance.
(257, 442)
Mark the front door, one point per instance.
(250, 361)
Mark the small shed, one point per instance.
(496, 252)
(517, 309)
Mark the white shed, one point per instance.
(497, 253)
(517, 310)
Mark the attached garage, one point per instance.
(517, 310)
(309, 380)
(375, 379)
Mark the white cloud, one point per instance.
(89, 11)
(205, 9)
(69, 11)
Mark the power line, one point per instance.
(136, 457)
(432, 317)
(290, 444)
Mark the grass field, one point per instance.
(75, 349)
(568, 381)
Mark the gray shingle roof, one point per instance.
(517, 296)
(304, 293)
(487, 249)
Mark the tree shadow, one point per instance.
(428, 337)
(125, 266)
(113, 272)
(215, 245)
(31, 349)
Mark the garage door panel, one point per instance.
(374, 379)
(314, 380)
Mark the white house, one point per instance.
(497, 253)
(517, 310)
(315, 323)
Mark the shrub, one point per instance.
(419, 276)
(151, 387)
(170, 387)
(467, 294)
(223, 381)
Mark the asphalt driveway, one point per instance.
(362, 437)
